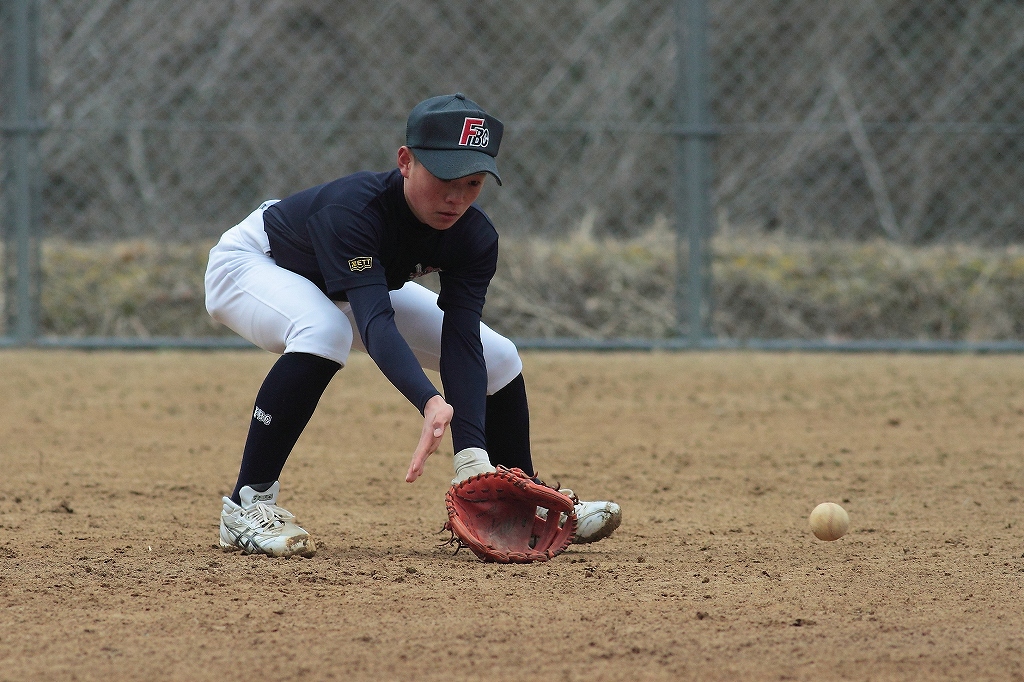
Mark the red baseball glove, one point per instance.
(495, 515)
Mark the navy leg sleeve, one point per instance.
(284, 405)
(508, 427)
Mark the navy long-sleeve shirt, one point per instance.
(356, 239)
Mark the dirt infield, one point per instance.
(113, 465)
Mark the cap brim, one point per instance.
(449, 164)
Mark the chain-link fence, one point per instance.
(865, 156)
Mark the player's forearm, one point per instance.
(376, 321)
(464, 376)
(396, 360)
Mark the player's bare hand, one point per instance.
(437, 415)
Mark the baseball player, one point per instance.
(330, 268)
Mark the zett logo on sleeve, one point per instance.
(360, 264)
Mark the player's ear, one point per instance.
(406, 160)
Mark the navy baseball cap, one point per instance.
(453, 137)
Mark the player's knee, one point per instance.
(330, 339)
(213, 306)
(215, 298)
(220, 311)
(503, 362)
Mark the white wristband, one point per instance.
(470, 462)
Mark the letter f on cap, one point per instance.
(474, 133)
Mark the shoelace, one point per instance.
(267, 516)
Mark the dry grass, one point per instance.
(132, 288)
(763, 288)
(586, 287)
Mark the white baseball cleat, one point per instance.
(259, 526)
(594, 520)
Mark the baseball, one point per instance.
(829, 521)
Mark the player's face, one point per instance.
(438, 203)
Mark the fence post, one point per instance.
(22, 156)
(693, 134)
